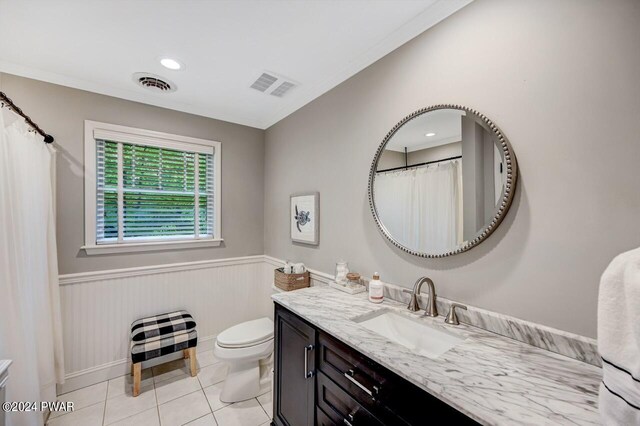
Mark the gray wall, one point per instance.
(390, 159)
(561, 80)
(436, 153)
(61, 111)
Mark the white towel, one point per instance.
(619, 340)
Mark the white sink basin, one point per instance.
(411, 333)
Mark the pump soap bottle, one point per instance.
(376, 289)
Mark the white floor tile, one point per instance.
(168, 370)
(206, 358)
(146, 418)
(88, 416)
(207, 420)
(184, 409)
(212, 374)
(126, 405)
(245, 413)
(124, 384)
(213, 396)
(169, 396)
(82, 398)
(266, 401)
(176, 387)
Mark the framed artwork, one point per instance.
(305, 217)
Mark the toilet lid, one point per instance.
(246, 334)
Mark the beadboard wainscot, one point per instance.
(99, 307)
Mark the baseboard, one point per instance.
(121, 367)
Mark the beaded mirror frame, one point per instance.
(502, 206)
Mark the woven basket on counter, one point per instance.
(288, 282)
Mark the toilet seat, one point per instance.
(246, 334)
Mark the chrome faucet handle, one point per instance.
(452, 317)
(413, 302)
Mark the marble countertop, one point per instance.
(492, 379)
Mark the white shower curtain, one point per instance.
(422, 207)
(30, 321)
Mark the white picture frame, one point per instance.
(304, 217)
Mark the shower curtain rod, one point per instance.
(6, 101)
(418, 165)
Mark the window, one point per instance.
(147, 190)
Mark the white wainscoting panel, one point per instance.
(99, 307)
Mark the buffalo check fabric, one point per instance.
(162, 335)
(163, 346)
(159, 326)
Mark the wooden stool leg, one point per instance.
(192, 361)
(137, 373)
(185, 353)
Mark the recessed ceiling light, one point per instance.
(430, 134)
(172, 64)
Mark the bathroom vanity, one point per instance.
(320, 380)
(336, 364)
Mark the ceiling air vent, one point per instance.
(154, 82)
(273, 84)
(264, 82)
(281, 90)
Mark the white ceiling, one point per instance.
(225, 45)
(445, 123)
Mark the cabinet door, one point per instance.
(294, 370)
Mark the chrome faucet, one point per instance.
(431, 309)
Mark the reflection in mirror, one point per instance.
(439, 181)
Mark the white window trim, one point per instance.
(95, 130)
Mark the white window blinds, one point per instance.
(151, 193)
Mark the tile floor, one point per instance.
(168, 396)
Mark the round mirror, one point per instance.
(442, 181)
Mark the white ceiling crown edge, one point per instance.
(428, 18)
(130, 95)
(425, 20)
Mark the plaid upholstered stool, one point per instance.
(162, 335)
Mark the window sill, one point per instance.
(150, 246)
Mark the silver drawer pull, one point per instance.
(351, 416)
(350, 376)
(307, 373)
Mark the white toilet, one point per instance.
(242, 347)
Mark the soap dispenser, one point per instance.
(376, 289)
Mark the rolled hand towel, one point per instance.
(619, 340)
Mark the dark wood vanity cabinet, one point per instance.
(294, 386)
(320, 380)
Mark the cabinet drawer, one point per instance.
(382, 392)
(322, 419)
(351, 370)
(339, 406)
